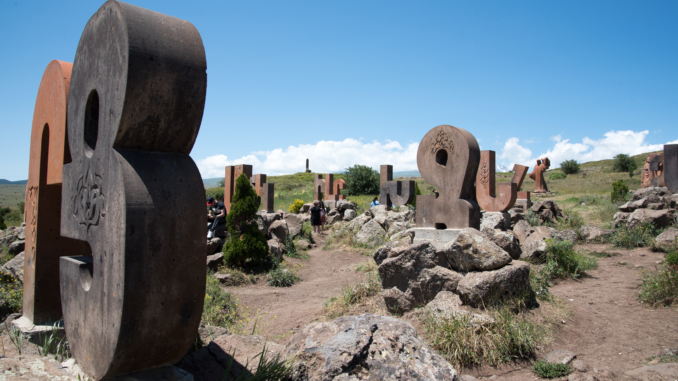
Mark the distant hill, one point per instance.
(406, 174)
(212, 183)
(3, 181)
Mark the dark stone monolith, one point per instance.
(671, 167)
(394, 192)
(133, 193)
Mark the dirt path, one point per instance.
(283, 310)
(609, 329)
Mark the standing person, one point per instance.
(315, 217)
(217, 215)
(323, 212)
(375, 202)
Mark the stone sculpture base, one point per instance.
(523, 203)
(495, 220)
(437, 237)
(37, 334)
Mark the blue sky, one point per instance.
(361, 82)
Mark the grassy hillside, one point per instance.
(11, 195)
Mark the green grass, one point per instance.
(560, 261)
(221, 308)
(268, 368)
(642, 235)
(660, 288)
(11, 195)
(237, 276)
(281, 277)
(544, 369)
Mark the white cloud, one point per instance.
(324, 157)
(613, 143)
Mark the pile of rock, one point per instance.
(471, 266)
(13, 239)
(533, 238)
(378, 225)
(652, 204)
(343, 211)
(548, 212)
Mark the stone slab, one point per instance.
(437, 237)
(671, 167)
(37, 334)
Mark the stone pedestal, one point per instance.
(437, 237)
(37, 334)
(495, 220)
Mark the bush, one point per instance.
(631, 238)
(569, 167)
(361, 179)
(217, 193)
(21, 206)
(11, 292)
(619, 191)
(660, 289)
(281, 277)
(245, 244)
(557, 176)
(624, 163)
(561, 261)
(532, 218)
(296, 206)
(545, 369)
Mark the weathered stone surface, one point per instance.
(579, 366)
(667, 371)
(261, 225)
(214, 261)
(305, 208)
(448, 305)
(486, 187)
(668, 240)
(534, 245)
(438, 238)
(344, 205)
(405, 236)
(440, 147)
(295, 224)
(16, 266)
(214, 245)
(521, 230)
(506, 241)
(478, 289)
(567, 235)
(357, 223)
(671, 167)
(133, 193)
(660, 218)
(620, 218)
(538, 175)
(371, 234)
(303, 244)
(592, 233)
(472, 250)
(495, 220)
(276, 248)
(365, 347)
(398, 301)
(16, 247)
(397, 227)
(270, 218)
(391, 192)
(349, 215)
(559, 356)
(279, 230)
(210, 363)
(333, 219)
(652, 173)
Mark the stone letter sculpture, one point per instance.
(652, 174)
(133, 193)
(394, 192)
(318, 187)
(538, 175)
(231, 175)
(522, 197)
(506, 193)
(339, 185)
(44, 244)
(265, 191)
(448, 159)
(307, 170)
(671, 167)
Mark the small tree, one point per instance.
(245, 242)
(619, 191)
(361, 179)
(624, 163)
(569, 167)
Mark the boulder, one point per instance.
(269, 218)
(406, 236)
(279, 230)
(660, 218)
(305, 208)
(371, 234)
(329, 220)
(592, 233)
(276, 248)
(333, 212)
(349, 214)
(534, 245)
(448, 305)
(357, 223)
(397, 301)
(364, 347)
(479, 289)
(345, 205)
(668, 240)
(397, 227)
(506, 241)
(644, 192)
(261, 225)
(16, 266)
(214, 261)
(495, 220)
(473, 250)
(559, 356)
(16, 247)
(214, 245)
(295, 224)
(566, 235)
(620, 218)
(521, 230)
(303, 244)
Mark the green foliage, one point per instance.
(220, 308)
(466, 344)
(561, 261)
(268, 368)
(11, 291)
(569, 167)
(624, 163)
(53, 343)
(281, 277)
(545, 369)
(557, 176)
(417, 192)
(619, 191)
(221, 183)
(660, 289)
(3, 212)
(361, 179)
(574, 221)
(10, 217)
(533, 218)
(237, 277)
(217, 193)
(245, 244)
(21, 206)
(296, 206)
(630, 238)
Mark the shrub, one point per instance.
(545, 369)
(532, 218)
(619, 191)
(361, 179)
(21, 206)
(561, 260)
(217, 193)
(624, 163)
(569, 167)
(557, 176)
(660, 289)
(245, 242)
(220, 307)
(296, 206)
(11, 292)
(281, 277)
(631, 238)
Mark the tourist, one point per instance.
(323, 212)
(375, 202)
(217, 215)
(315, 216)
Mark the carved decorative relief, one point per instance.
(33, 207)
(442, 141)
(88, 203)
(484, 174)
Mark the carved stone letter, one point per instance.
(394, 192)
(506, 193)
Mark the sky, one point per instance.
(361, 82)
